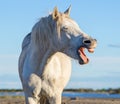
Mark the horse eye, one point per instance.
(65, 28)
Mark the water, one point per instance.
(11, 94)
(70, 94)
(90, 95)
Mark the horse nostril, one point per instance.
(87, 41)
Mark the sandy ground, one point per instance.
(20, 100)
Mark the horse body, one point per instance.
(45, 60)
(52, 81)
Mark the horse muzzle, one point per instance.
(90, 45)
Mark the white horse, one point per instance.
(45, 60)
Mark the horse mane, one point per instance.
(43, 31)
(26, 41)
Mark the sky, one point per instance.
(98, 18)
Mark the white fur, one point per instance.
(45, 63)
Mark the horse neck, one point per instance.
(40, 55)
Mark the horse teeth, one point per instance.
(91, 50)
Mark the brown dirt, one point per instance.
(20, 100)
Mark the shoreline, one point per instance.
(70, 94)
(65, 100)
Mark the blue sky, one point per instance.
(98, 18)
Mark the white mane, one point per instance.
(41, 31)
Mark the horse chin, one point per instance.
(82, 62)
(83, 59)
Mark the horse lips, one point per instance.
(83, 56)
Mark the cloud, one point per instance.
(93, 84)
(101, 72)
(10, 85)
(8, 56)
(114, 45)
(8, 64)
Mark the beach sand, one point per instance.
(20, 100)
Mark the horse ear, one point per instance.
(55, 13)
(67, 12)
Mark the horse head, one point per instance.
(72, 40)
(61, 33)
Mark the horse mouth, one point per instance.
(83, 58)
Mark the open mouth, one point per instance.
(84, 58)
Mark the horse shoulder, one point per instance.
(58, 70)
